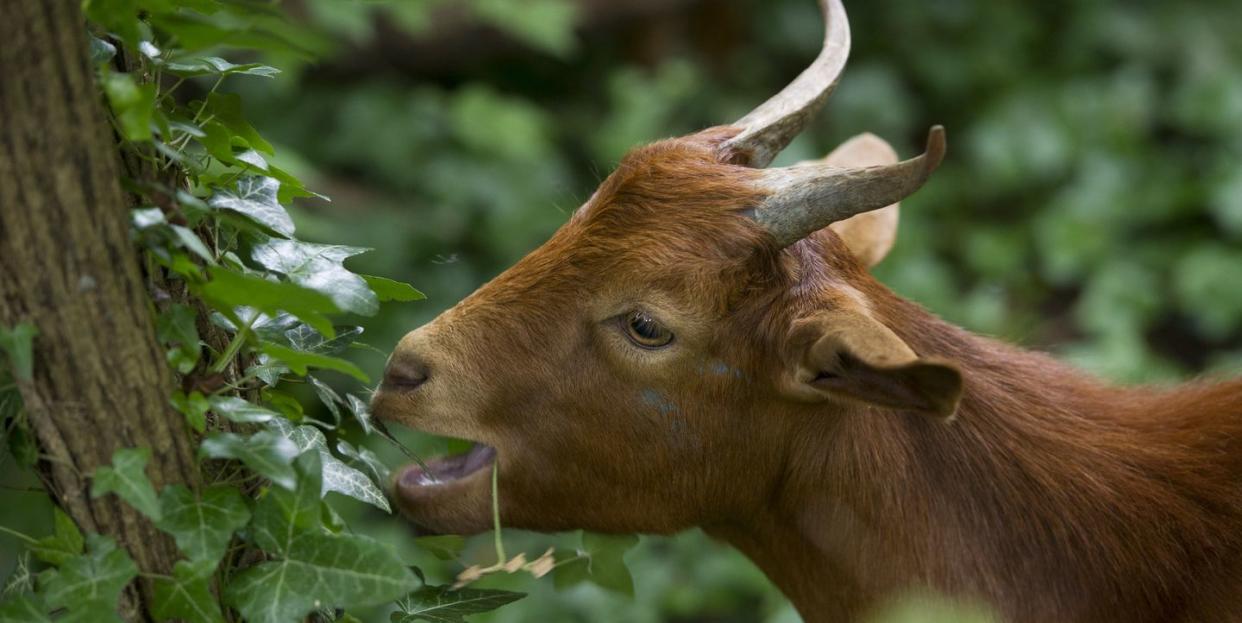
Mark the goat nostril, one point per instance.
(405, 374)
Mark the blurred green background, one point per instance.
(1091, 203)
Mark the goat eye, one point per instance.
(646, 331)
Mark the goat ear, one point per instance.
(870, 235)
(847, 354)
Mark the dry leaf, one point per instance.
(542, 565)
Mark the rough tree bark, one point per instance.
(67, 265)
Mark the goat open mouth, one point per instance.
(444, 470)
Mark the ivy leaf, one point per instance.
(101, 51)
(600, 561)
(281, 512)
(266, 452)
(361, 412)
(21, 580)
(177, 328)
(255, 160)
(23, 447)
(187, 596)
(229, 289)
(319, 267)
(240, 410)
(337, 476)
(439, 604)
(316, 569)
(93, 581)
(64, 544)
(132, 103)
(127, 477)
(300, 361)
(216, 66)
(364, 456)
(117, 16)
(275, 327)
(194, 407)
(22, 609)
(390, 290)
(193, 243)
(202, 526)
(227, 110)
(304, 338)
(18, 344)
(320, 568)
(254, 196)
(328, 397)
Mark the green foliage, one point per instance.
(17, 344)
(335, 474)
(90, 585)
(63, 545)
(600, 560)
(389, 290)
(22, 609)
(176, 328)
(127, 477)
(186, 596)
(441, 604)
(202, 524)
(314, 566)
(301, 361)
(319, 267)
(266, 452)
(274, 307)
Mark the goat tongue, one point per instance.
(449, 468)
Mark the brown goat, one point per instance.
(702, 345)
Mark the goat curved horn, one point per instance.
(803, 199)
(767, 129)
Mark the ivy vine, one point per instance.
(258, 540)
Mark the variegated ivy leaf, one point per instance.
(186, 596)
(300, 361)
(255, 197)
(214, 65)
(319, 267)
(329, 398)
(241, 410)
(303, 337)
(229, 290)
(440, 604)
(361, 412)
(337, 476)
(127, 477)
(312, 568)
(204, 524)
(364, 456)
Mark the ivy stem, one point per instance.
(203, 107)
(500, 545)
(234, 346)
(19, 535)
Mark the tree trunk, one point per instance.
(68, 267)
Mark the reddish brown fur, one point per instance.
(1052, 496)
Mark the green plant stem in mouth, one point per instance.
(500, 545)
